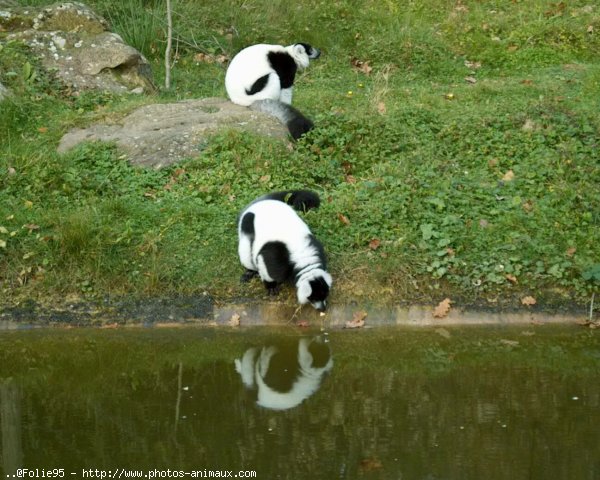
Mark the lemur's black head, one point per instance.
(303, 53)
(311, 51)
(314, 288)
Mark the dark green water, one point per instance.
(493, 403)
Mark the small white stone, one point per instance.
(59, 42)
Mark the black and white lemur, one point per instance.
(276, 244)
(262, 77)
(283, 374)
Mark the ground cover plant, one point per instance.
(456, 149)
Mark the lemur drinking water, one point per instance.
(276, 244)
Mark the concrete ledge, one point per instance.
(416, 315)
(204, 311)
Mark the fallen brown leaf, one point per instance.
(374, 244)
(110, 325)
(208, 58)
(368, 464)
(362, 66)
(571, 251)
(358, 320)
(343, 218)
(508, 176)
(528, 301)
(234, 321)
(511, 278)
(442, 309)
(381, 108)
(31, 227)
(528, 126)
(472, 65)
(471, 79)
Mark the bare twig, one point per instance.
(179, 388)
(168, 49)
(295, 313)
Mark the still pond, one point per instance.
(520, 402)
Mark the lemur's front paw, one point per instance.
(248, 275)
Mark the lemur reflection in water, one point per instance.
(285, 375)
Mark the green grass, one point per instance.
(425, 178)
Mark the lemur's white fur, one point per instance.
(276, 221)
(253, 368)
(252, 63)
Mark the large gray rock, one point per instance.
(74, 41)
(161, 134)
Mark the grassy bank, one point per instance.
(460, 159)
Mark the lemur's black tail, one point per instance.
(301, 200)
(291, 117)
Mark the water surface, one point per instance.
(465, 403)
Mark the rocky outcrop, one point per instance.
(162, 134)
(74, 41)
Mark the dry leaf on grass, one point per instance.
(370, 464)
(528, 301)
(527, 206)
(234, 321)
(362, 66)
(31, 227)
(208, 58)
(110, 325)
(508, 176)
(511, 278)
(343, 218)
(472, 65)
(381, 108)
(442, 309)
(358, 320)
(374, 244)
